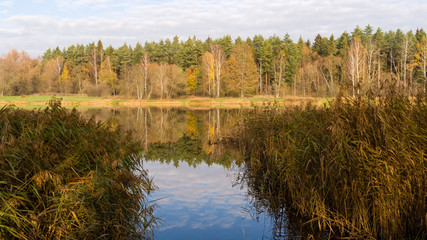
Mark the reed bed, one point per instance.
(66, 177)
(356, 168)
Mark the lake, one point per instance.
(202, 192)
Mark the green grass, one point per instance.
(36, 98)
(357, 168)
(66, 177)
(35, 101)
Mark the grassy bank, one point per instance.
(65, 177)
(357, 168)
(34, 101)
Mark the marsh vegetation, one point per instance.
(67, 177)
(353, 169)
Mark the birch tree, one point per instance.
(219, 59)
(356, 59)
(279, 64)
(208, 72)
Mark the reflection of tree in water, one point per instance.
(197, 144)
(177, 136)
(267, 194)
(174, 135)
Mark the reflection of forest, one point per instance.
(171, 134)
(178, 136)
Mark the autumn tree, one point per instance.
(219, 59)
(64, 78)
(192, 74)
(328, 68)
(279, 66)
(176, 81)
(363, 58)
(48, 77)
(108, 76)
(18, 72)
(159, 77)
(241, 73)
(140, 75)
(208, 72)
(356, 60)
(168, 80)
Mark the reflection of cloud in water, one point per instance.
(198, 198)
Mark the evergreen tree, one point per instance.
(294, 57)
(227, 45)
(137, 54)
(186, 54)
(332, 48)
(343, 44)
(420, 34)
(357, 32)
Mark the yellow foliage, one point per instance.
(191, 74)
(65, 76)
(192, 126)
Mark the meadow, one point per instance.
(35, 101)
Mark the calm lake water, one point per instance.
(201, 194)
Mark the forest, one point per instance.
(356, 63)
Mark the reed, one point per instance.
(356, 168)
(66, 177)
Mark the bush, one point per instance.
(66, 177)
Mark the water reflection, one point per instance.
(205, 193)
(201, 203)
(267, 195)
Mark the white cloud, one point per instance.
(115, 22)
(198, 198)
(6, 3)
(83, 3)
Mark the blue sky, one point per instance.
(35, 25)
(203, 203)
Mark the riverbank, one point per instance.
(35, 101)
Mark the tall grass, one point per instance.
(66, 177)
(356, 168)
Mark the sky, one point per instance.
(36, 25)
(203, 202)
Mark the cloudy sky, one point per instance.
(202, 201)
(35, 25)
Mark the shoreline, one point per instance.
(36, 101)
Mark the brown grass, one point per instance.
(66, 177)
(190, 102)
(356, 168)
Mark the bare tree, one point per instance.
(145, 61)
(279, 63)
(356, 59)
(219, 59)
(93, 56)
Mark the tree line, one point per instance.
(354, 63)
